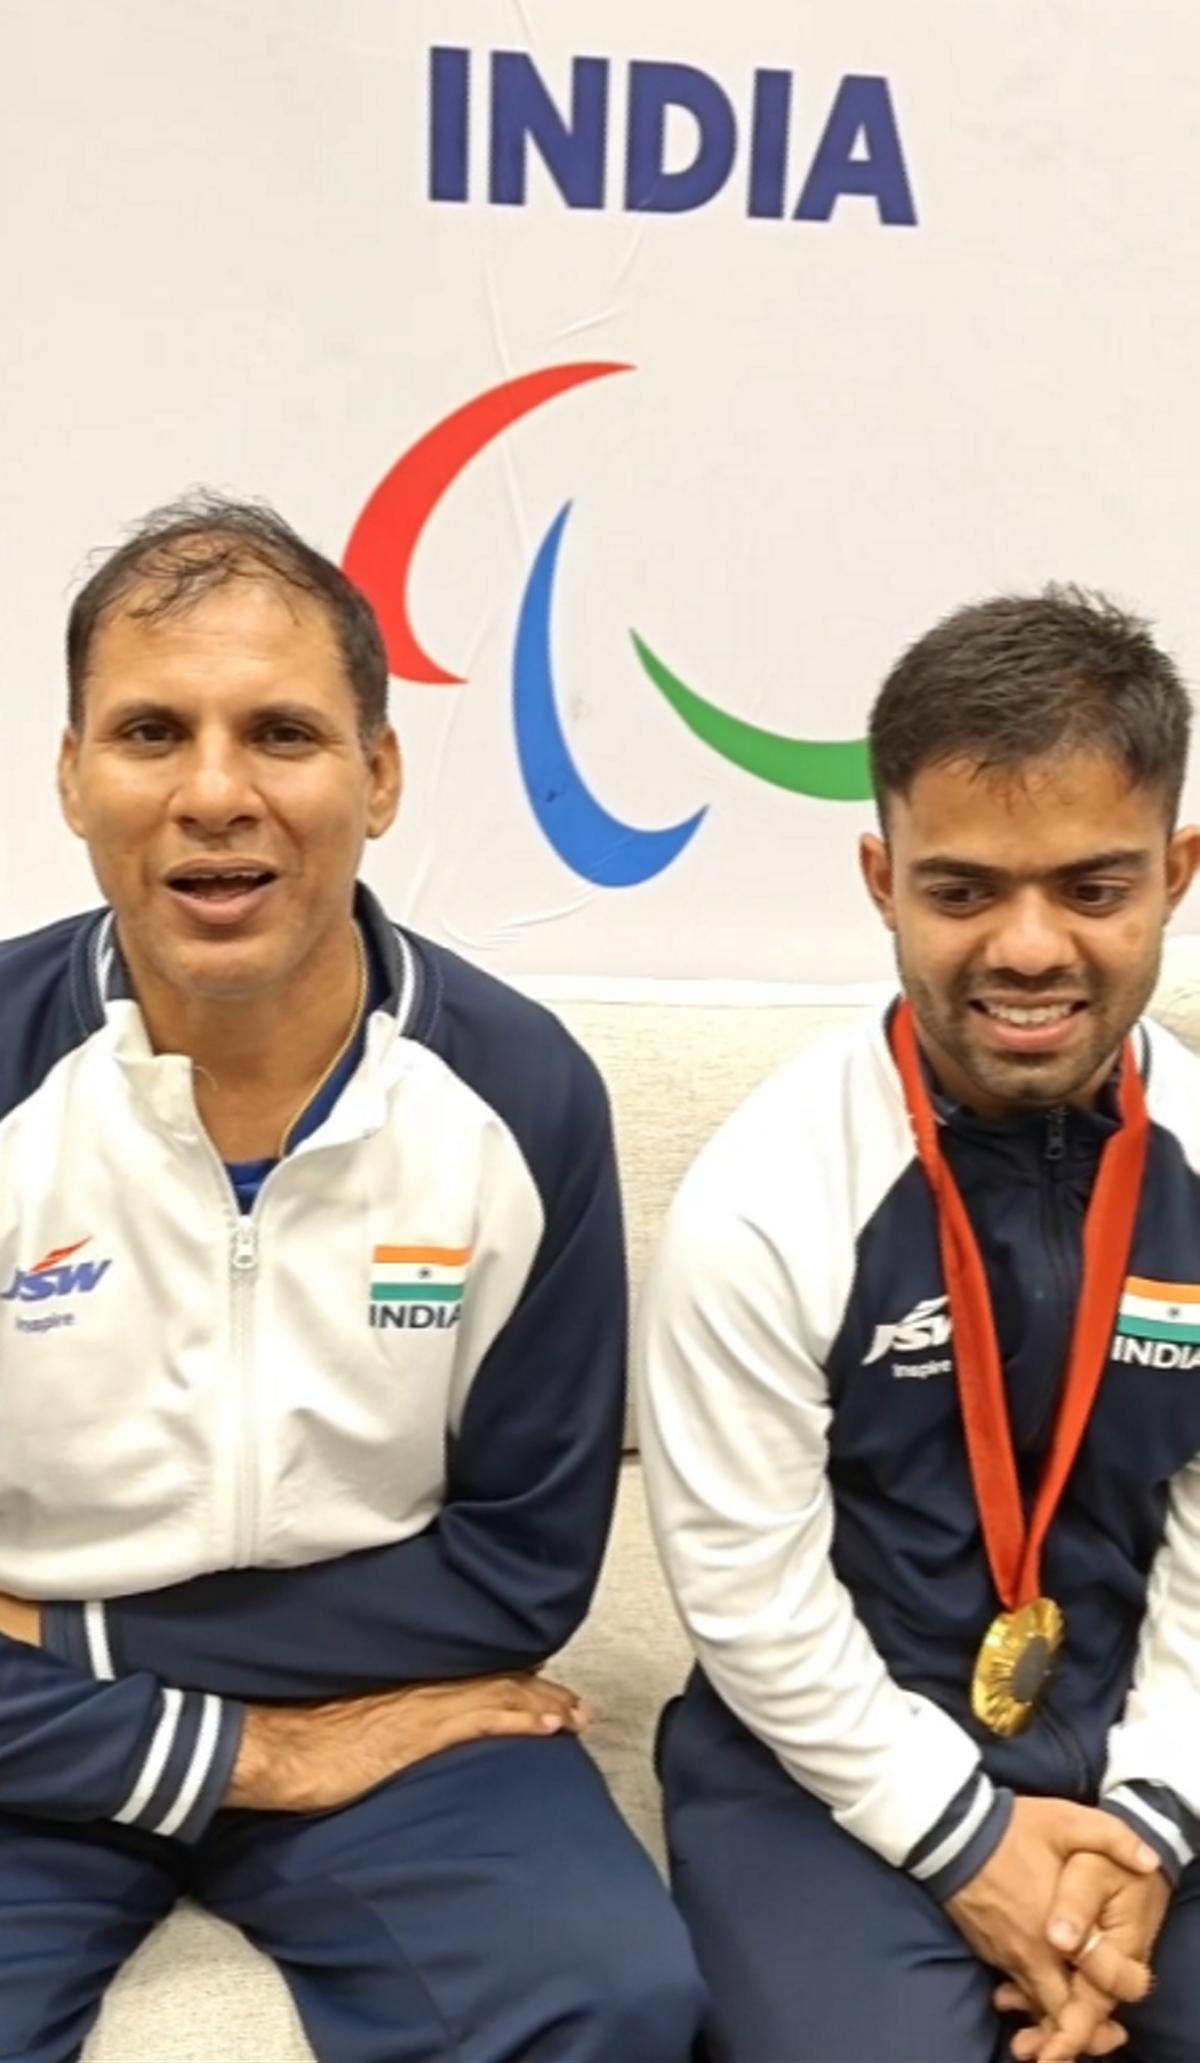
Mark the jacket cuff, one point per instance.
(187, 1767)
(966, 1836)
(1161, 1819)
(80, 1635)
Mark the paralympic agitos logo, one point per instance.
(585, 835)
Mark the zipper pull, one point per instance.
(1056, 1134)
(245, 1245)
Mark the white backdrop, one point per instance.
(222, 264)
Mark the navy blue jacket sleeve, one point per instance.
(506, 1573)
(73, 1748)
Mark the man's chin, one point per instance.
(1028, 1086)
(1031, 1081)
(218, 971)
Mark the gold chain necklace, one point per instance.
(310, 1095)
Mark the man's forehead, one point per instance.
(256, 621)
(1044, 815)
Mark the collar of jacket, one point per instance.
(105, 1003)
(1024, 1137)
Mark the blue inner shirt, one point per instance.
(248, 1176)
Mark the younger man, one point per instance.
(921, 1411)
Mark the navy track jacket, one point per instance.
(365, 1435)
(808, 1474)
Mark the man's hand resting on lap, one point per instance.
(1004, 1910)
(314, 1758)
(1128, 1910)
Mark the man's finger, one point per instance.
(558, 1691)
(1107, 1968)
(495, 1723)
(1080, 2025)
(575, 1710)
(1027, 2046)
(1083, 1890)
(1031, 2042)
(1084, 1829)
(1046, 1981)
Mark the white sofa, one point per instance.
(677, 1058)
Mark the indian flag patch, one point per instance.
(1160, 1311)
(421, 1274)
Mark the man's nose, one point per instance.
(1032, 936)
(216, 788)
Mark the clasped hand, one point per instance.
(1062, 1873)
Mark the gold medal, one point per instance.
(1014, 1665)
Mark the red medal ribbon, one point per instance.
(1014, 1553)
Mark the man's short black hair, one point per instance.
(182, 551)
(1005, 682)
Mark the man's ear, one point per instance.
(68, 780)
(1183, 858)
(875, 861)
(387, 780)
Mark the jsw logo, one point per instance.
(856, 153)
(56, 1276)
(926, 1325)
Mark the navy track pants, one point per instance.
(486, 1906)
(816, 1951)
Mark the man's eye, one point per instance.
(148, 731)
(1098, 896)
(959, 898)
(288, 737)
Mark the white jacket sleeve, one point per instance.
(733, 1418)
(1153, 1772)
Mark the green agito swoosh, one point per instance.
(836, 770)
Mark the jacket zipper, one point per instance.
(1060, 1255)
(1069, 1741)
(1062, 1269)
(243, 1263)
(240, 1416)
(1059, 1251)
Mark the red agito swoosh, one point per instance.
(59, 1253)
(382, 544)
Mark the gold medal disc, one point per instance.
(1014, 1665)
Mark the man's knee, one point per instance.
(608, 1974)
(47, 2002)
(76, 1902)
(645, 2007)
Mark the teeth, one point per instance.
(217, 880)
(1047, 1013)
(218, 884)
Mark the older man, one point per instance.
(311, 1343)
(921, 1412)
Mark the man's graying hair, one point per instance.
(178, 554)
(1003, 683)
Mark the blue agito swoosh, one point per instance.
(583, 833)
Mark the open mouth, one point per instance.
(1027, 1016)
(205, 887)
(1029, 1028)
